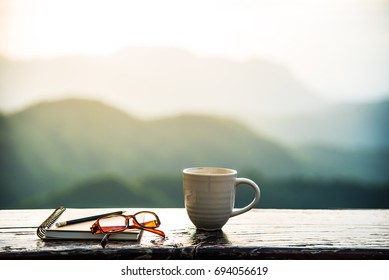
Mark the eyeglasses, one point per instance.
(116, 223)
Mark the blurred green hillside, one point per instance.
(354, 126)
(82, 153)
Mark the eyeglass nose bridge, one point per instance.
(128, 218)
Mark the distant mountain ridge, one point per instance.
(60, 143)
(352, 126)
(160, 82)
(155, 82)
(52, 145)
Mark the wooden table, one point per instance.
(258, 234)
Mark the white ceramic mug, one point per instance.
(209, 194)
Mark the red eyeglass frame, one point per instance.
(148, 225)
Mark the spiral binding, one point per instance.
(41, 230)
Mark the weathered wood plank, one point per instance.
(258, 234)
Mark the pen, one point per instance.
(61, 224)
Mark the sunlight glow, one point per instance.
(344, 42)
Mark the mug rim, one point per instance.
(227, 171)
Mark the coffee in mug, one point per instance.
(209, 194)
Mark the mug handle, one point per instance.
(255, 200)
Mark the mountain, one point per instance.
(84, 152)
(160, 82)
(56, 144)
(351, 126)
(104, 191)
(155, 82)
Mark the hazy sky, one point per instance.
(339, 48)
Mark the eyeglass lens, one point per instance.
(113, 223)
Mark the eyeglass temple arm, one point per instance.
(156, 231)
(104, 241)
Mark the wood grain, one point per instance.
(258, 234)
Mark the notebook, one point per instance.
(49, 230)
